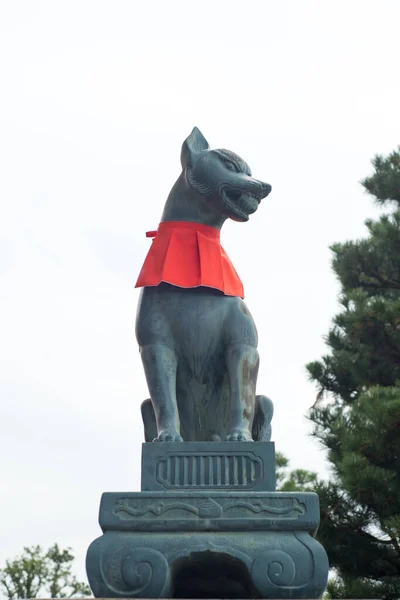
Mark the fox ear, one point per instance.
(192, 146)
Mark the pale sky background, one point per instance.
(96, 99)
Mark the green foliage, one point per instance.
(298, 480)
(384, 184)
(41, 574)
(358, 588)
(372, 264)
(360, 425)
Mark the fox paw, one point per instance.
(239, 435)
(168, 435)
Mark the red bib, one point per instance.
(187, 255)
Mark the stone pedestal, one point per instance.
(207, 526)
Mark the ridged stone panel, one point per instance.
(208, 466)
(205, 470)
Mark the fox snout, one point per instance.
(239, 192)
(256, 188)
(242, 198)
(265, 189)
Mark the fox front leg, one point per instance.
(160, 365)
(242, 363)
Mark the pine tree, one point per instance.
(360, 423)
(296, 480)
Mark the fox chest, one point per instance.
(197, 331)
(191, 322)
(198, 334)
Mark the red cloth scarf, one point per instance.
(187, 255)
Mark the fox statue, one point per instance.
(197, 339)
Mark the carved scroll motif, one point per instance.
(208, 508)
(135, 572)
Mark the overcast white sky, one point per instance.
(96, 98)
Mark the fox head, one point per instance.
(222, 178)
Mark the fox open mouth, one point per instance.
(241, 204)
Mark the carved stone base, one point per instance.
(208, 544)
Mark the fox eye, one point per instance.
(231, 166)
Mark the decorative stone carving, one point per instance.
(211, 511)
(281, 564)
(208, 465)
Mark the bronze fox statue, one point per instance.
(198, 341)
